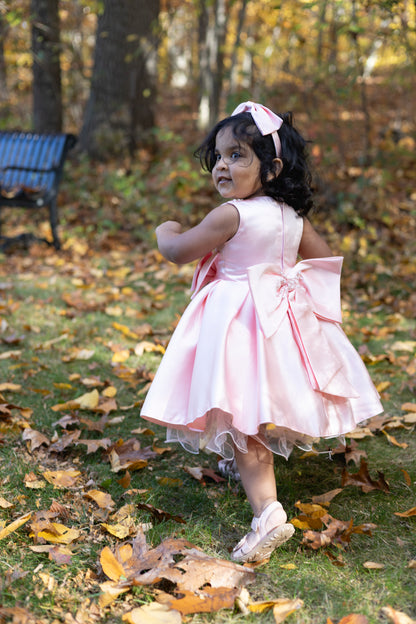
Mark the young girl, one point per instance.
(258, 362)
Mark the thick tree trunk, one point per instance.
(47, 91)
(122, 96)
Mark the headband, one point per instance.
(266, 121)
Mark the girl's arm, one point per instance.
(311, 244)
(214, 230)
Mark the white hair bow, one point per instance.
(266, 121)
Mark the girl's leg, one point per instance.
(269, 527)
(256, 468)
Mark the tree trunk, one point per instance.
(212, 33)
(47, 91)
(4, 91)
(122, 96)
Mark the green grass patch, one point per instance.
(52, 314)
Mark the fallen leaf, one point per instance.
(326, 498)
(363, 480)
(393, 440)
(372, 565)
(103, 499)
(16, 524)
(406, 514)
(397, 617)
(206, 600)
(34, 438)
(153, 613)
(61, 478)
(59, 534)
(409, 407)
(111, 566)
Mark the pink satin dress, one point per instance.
(259, 350)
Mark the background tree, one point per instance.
(120, 108)
(47, 89)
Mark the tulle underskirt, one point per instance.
(221, 437)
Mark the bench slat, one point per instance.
(30, 170)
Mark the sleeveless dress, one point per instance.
(259, 350)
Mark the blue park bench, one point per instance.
(31, 167)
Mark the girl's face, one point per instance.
(236, 174)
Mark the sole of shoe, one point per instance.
(273, 539)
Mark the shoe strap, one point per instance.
(255, 524)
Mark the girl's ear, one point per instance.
(277, 168)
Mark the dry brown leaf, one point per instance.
(34, 438)
(4, 504)
(373, 565)
(207, 600)
(153, 613)
(397, 617)
(325, 499)
(363, 480)
(406, 514)
(354, 618)
(406, 475)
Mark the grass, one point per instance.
(51, 304)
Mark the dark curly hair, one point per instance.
(293, 184)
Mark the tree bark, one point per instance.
(122, 96)
(47, 90)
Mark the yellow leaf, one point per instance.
(61, 478)
(288, 566)
(145, 345)
(60, 534)
(383, 385)
(103, 499)
(393, 440)
(33, 482)
(10, 386)
(153, 613)
(126, 331)
(111, 591)
(110, 392)
(406, 514)
(111, 567)
(89, 400)
(16, 524)
(121, 356)
(4, 504)
(283, 608)
(118, 530)
(409, 407)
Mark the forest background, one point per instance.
(82, 329)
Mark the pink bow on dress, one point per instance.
(205, 272)
(266, 121)
(309, 290)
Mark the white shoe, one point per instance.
(269, 531)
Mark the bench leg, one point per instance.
(53, 214)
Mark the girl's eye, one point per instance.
(235, 155)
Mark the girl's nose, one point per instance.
(220, 163)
